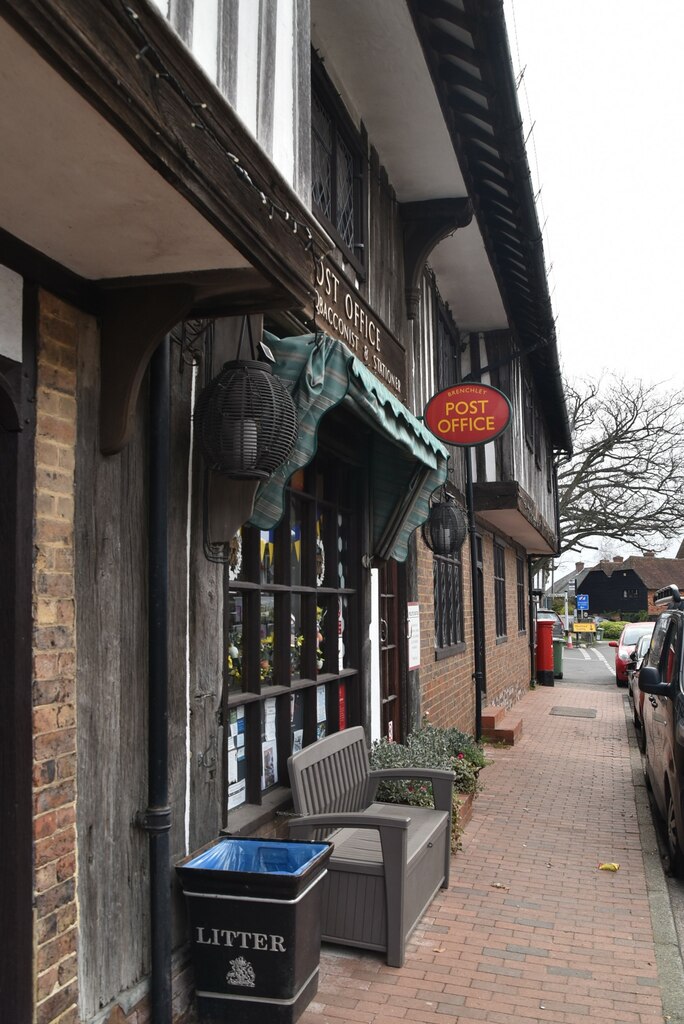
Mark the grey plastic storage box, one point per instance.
(254, 909)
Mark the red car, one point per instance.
(625, 645)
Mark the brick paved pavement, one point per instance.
(530, 930)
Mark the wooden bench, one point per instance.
(389, 860)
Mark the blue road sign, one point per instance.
(582, 602)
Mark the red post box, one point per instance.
(544, 653)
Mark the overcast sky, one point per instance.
(603, 86)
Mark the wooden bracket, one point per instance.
(425, 224)
(136, 313)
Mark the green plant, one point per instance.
(612, 630)
(430, 747)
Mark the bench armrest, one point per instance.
(349, 819)
(441, 778)
(393, 839)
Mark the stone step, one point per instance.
(508, 730)
(491, 717)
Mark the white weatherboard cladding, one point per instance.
(248, 63)
(205, 25)
(11, 287)
(284, 99)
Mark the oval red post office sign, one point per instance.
(468, 414)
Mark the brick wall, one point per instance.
(446, 685)
(508, 661)
(447, 689)
(54, 662)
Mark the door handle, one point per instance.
(384, 631)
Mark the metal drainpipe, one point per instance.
(533, 619)
(156, 820)
(478, 626)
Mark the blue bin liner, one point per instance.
(271, 857)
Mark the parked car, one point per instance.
(548, 615)
(634, 664)
(625, 645)
(661, 679)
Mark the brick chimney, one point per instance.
(618, 558)
(579, 566)
(649, 554)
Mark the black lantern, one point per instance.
(246, 421)
(445, 528)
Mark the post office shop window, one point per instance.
(338, 184)
(291, 636)
(500, 590)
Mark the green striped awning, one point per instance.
(407, 462)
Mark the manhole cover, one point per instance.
(574, 712)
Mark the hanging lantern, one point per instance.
(245, 419)
(445, 528)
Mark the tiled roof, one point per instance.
(654, 573)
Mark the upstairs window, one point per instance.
(500, 590)
(337, 178)
(520, 591)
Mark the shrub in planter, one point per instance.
(429, 747)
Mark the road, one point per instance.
(592, 668)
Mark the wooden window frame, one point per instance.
(342, 497)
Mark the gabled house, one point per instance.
(184, 184)
(628, 585)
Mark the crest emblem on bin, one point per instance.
(241, 973)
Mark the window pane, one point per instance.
(297, 721)
(296, 637)
(269, 745)
(344, 532)
(345, 193)
(267, 639)
(321, 712)
(235, 653)
(236, 561)
(321, 157)
(237, 791)
(321, 559)
(295, 540)
(267, 549)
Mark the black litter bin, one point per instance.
(254, 909)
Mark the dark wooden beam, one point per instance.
(136, 313)
(425, 224)
(449, 46)
(443, 10)
(93, 46)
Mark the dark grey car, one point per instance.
(661, 679)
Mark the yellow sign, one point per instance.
(584, 627)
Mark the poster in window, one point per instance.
(297, 721)
(413, 631)
(269, 745)
(342, 706)
(237, 787)
(321, 712)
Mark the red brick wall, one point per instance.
(54, 661)
(446, 685)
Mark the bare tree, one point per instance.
(625, 479)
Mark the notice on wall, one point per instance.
(413, 634)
